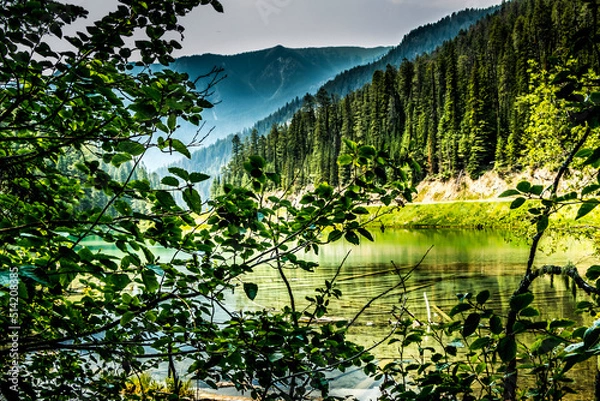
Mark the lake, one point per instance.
(449, 262)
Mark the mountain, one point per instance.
(257, 83)
(208, 159)
(472, 105)
(423, 39)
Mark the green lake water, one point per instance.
(446, 261)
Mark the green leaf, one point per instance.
(307, 199)
(165, 199)
(217, 6)
(365, 233)
(251, 290)
(542, 224)
(172, 121)
(131, 147)
(480, 343)
(180, 147)
(483, 297)
(257, 162)
(587, 207)
(595, 97)
(496, 325)
(345, 160)
(179, 172)
(510, 192)
(524, 187)
(192, 199)
(459, 308)
(170, 181)
(120, 158)
(150, 280)
(471, 324)
(521, 301)
(143, 111)
(593, 272)
(593, 158)
(127, 317)
(198, 177)
(352, 238)
(507, 349)
(584, 153)
(561, 323)
(546, 345)
(350, 144)
(334, 236)
(517, 203)
(85, 255)
(120, 281)
(529, 312)
(590, 189)
(367, 151)
(536, 190)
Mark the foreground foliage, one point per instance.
(85, 321)
(485, 354)
(104, 275)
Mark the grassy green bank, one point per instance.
(477, 214)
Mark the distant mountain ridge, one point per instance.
(210, 159)
(258, 83)
(423, 39)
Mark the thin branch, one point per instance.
(400, 284)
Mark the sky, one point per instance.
(248, 25)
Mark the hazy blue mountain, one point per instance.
(257, 83)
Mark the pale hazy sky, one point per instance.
(257, 24)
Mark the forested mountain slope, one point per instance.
(211, 158)
(468, 107)
(256, 83)
(424, 39)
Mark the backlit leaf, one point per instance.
(345, 160)
(181, 148)
(170, 181)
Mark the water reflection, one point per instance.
(448, 262)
